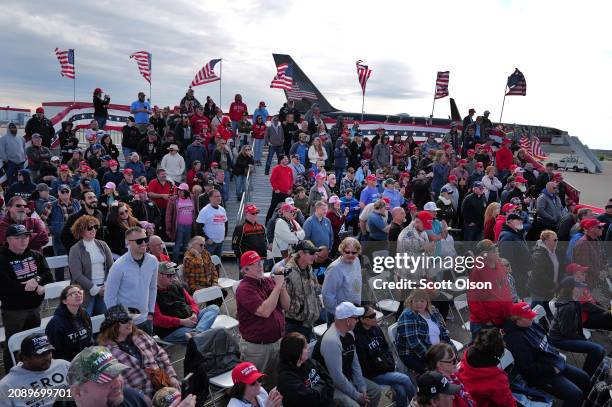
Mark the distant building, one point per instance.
(16, 115)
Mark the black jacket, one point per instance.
(373, 351)
(69, 334)
(473, 209)
(16, 269)
(248, 236)
(149, 151)
(43, 127)
(101, 107)
(306, 386)
(568, 322)
(242, 164)
(146, 211)
(541, 281)
(513, 247)
(131, 137)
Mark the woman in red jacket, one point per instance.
(479, 372)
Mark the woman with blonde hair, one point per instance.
(419, 327)
(490, 215)
(89, 262)
(316, 152)
(149, 367)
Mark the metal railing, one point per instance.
(246, 196)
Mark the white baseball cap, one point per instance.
(347, 310)
(290, 201)
(431, 206)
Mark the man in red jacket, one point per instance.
(488, 307)
(17, 214)
(281, 180)
(236, 111)
(199, 122)
(504, 159)
(177, 316)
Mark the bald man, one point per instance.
(156, 248)
(398, 219)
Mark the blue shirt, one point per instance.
(320, 232)
(141, 117)
(376, 224)
(369, 195)
(260, 111)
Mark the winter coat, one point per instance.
(241, 166)
(56, 218)
(79, 264)
(548, 209)
(43, 127)
(514, 248)
(490, 306)
(69, 334)
(381, 155)
(308, 385)
(568, 322)
(373, 351)
(541, 280)
(341, 155)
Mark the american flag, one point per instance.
(66, 60)
(143, 59)
(206, 74)
(517, 85)
(533, 146)
(283, 78)
(363, 74)
(25, 268)
(298, 92)
(442, 84)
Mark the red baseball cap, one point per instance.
(471, 151)
(371, 177)
(523, 310)
(138, 189)
(287, 207)
(520, 179)
(478, 145)
(452, 178)
(246, 373)
(251, 208)
(85, 168)
(446, 145)
(40, 110)
(590, 223)
(112, 162)
(426, 218)
(472, 110)
(128, 171)
(463, 160)
(513, 167)
(480, 164)
(248, 258)
(508, 207)
(411, 206)
(320, 176)
(97, 90)
(507, 141)
(557, 175)
(574, 268)
(214, 164)
(64, 167)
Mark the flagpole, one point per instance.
(220, 79)
(362, 104)
(433, 105)
(502, 108)
(74, 79)
(150, 94)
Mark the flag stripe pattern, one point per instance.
(66, 60)
(283, 78)
(442, 84)
(206, 74)
(517, 85)
(143, 59)
(533, 146)
(363, 74)
(297, 93)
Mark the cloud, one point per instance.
(561, 47)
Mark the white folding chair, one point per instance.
(53, 291)
(56, 262)
(14, 342)
(224, 282)
(389, 305)
(458, 345)
(212, 293)
(538, 309)
(319, 330)
(461, 303)
(96, 324)
(506, 360)
(222, 381)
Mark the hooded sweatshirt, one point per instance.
(69, 334)
(16, 269)
(12, 148)
(484, 380)
(20, 378)
(23, 189)
(308, 385)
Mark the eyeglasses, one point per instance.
(20, 206)
(141, 240)
(93, 227)
(371, 316)
(349, 252)
(65, 191)
(74, 293)
(256, 382)
(124, 320)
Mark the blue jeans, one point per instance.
(206, 317)
(594, 352)
(240, 184)
(11, 170)
(571, 386)
(101, 122)
(258, 149)
(235, 127)
(183, 234)
(400, 383)
(278, 150)
(95, 306)
(339, 173)
(225, 188)
(215, 249)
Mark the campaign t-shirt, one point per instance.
(22, 387)
(213, 220)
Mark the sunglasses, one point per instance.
(74, 293)
(371, 316)
(141, 240)
(124, 320)
(65, 191)
(451, 361)
(20, 206)
(93, 227)
(258, 381)
(349, 252)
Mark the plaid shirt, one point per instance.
(199, 270)
(413, 333)
(152, 356)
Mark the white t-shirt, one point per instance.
(97, 262)
(214, 222)
(434, 331)
(261, 400)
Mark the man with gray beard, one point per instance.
(17, 214)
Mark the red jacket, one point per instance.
(281, 179)
(488, 229)
(259, 131)
(38, 238)
(500, 221)
(490, 306)
(488, 386)
(503, 158)
(236, 111)
(198, 123)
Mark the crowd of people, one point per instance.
(337, 197)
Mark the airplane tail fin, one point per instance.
(455, 116)
(304, 92)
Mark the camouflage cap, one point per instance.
(165, 396)
(94, 364)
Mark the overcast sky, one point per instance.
(562, 47)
